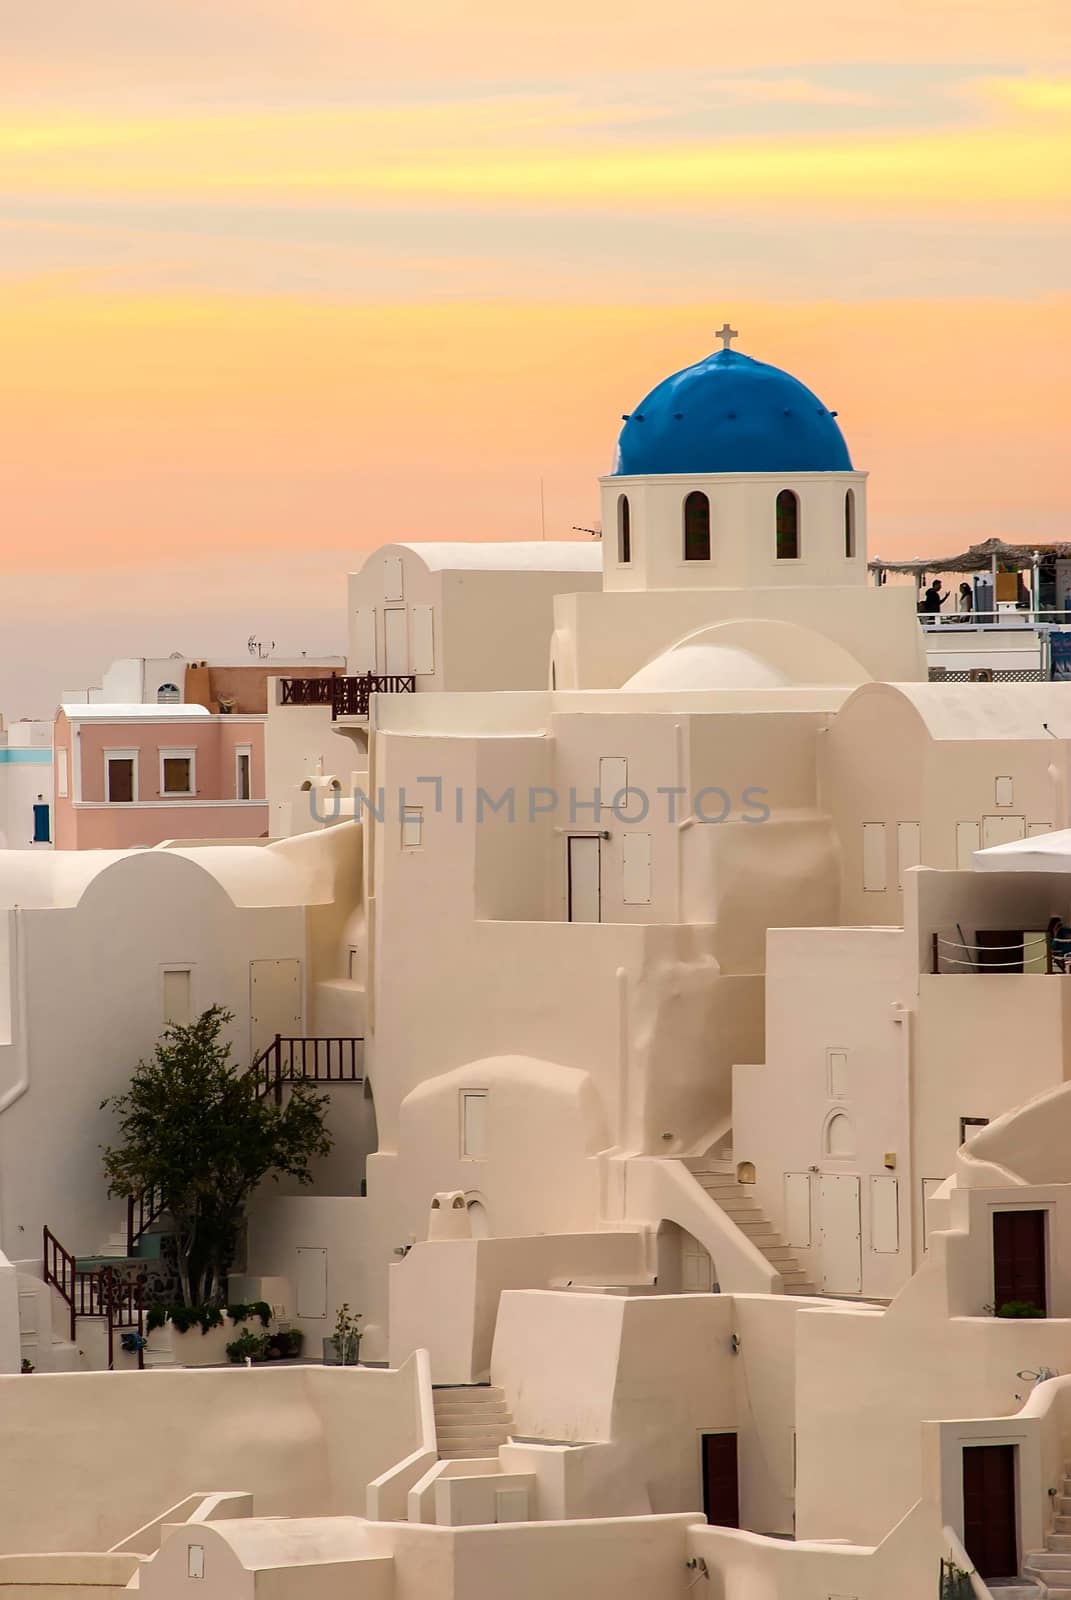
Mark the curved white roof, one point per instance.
(985, 710)
(292, 872)
(748, 653)
(519, 555)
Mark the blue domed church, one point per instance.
(733, 504)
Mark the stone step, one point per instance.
(1063, 1505)
(1058, 1541)
(492, 1436)
(1062, 1520)
(480, 1415)
(1041, 1561)
(468, 1391)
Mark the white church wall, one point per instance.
(602, 639)
(743, 530)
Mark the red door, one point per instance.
(1019, 1258)
(989, 1521)
(721, 1491)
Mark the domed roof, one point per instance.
(729, 413)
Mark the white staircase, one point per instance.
(1051, 1567)
(43, 1325)
(470, 1422)
(738, 1202)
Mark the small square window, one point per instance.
(176, 772)
(195, 1561)
(412, 827)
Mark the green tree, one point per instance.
(193, 1128)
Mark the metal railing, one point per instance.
(1015, 952)
(100, 1292)
(315, 1060)
(347, 697)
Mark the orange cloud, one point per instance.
(140, 429)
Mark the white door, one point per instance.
(1002, 830)
(395, 641)
(275, 1002)
(839, 1234)
(697, 1267)
(583, 887)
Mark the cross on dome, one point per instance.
(726, 335)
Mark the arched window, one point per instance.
(167, 694)
(624, 530)
(840, 1136)
(788, 526)
(849, 524)
(697, 527)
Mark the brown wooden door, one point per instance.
(1019, 1258)
(721, 1490)
(120, 773)
(989, 1521)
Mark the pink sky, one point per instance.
(278, 283)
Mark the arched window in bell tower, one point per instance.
(788, 526)
(624, 530)
(849, 524)
(697, 527)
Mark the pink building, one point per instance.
(138, 774)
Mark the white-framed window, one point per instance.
(120, 776)
(412, 827)
(473, 1124)
(243, 772)
(62, 772)
(195, 1561)
(178, 772)
(168, 694)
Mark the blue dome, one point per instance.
(731, 414)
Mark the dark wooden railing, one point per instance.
(317, 1060)
(350, 696)
(285, 1060)
(347, 697)
(142, 1210)
(100, 1292)
(306, 691)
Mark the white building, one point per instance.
(652, 1003)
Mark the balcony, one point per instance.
(347, 697)
(990, 950)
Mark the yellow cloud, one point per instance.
(553, 151)
(1025, 94)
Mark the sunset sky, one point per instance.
(280, 281)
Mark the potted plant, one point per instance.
(248, 1347)
(343, 1348)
